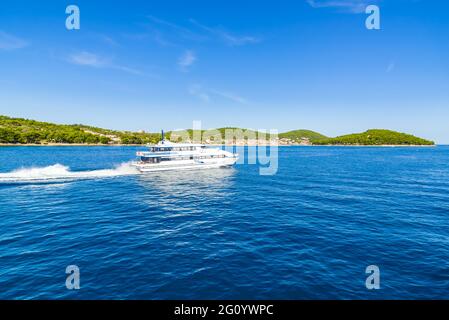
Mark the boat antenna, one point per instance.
(163, 136)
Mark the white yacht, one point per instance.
(167, 155)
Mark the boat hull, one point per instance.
(190, 165)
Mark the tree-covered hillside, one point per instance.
(24, 131)
(298, 135)
(376, 137)
(218, 135)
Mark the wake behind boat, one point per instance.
(167, 155)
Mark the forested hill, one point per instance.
(376, 137)
(299, 135)
(24, 131)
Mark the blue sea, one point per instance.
(308, 232)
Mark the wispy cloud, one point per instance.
(108, 40)
(128, 70)
(135, 36)
(353, 6)
(391, 67)
(152, 34)
(178, 30)
(187, 59)
(10, 42)
(197, 91)
(85, 58)
(198, 32)
(225, 36)
(230, 96)
(206, 95)
(89, 59)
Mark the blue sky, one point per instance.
(257, 64)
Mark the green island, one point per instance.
(376, 137)
(18, 131)
(24, 131)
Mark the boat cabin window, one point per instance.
(184, 149)
(150, 160)
(160, 149)
(165, 149)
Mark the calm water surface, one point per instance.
(308, 232)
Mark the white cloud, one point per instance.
(85, 58)
(206, 94)
(187, 60)
(354, 6)
(170, 25)
(89, 59)
(197, 91)
(391, 67)
(10, 42)
(227, 37)
(230, 96)
(199, 33)
(128, 70)
(175, 29)
(108, 40)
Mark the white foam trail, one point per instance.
(61, 172)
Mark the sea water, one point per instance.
(308, 232)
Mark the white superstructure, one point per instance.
(167, 155)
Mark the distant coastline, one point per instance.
(68, 145)
(219, 145)
(25, 132)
